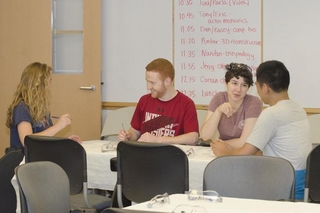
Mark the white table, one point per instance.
(101, 177)
(234, 205)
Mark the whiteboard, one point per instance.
(291, 35)
(134, 33)
(137, 31)
(207, 36)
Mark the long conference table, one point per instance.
(101, 177)
(180, 203)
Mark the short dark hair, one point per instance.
(274, 74)
(239, 70)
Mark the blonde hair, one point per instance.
(33, 90)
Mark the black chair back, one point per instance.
(65, 152)
(148, 169)
(72, 158)
(312, 184)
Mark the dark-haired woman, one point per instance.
(233, 113)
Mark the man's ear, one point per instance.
(167, 81)
(265, 88)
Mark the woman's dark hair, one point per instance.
(239, 70)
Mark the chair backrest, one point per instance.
(70, 156)
(312, 184)
(201, 117)
(65, 152)
(44, 187)
(8, 198)
(314, 121)
(114, 121)
(254, 177)
(148, 169)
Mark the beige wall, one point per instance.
(22, 39)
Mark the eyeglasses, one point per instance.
(158, 201)
(185, 208)
(108, 147)
(209, 195)
(235, 66)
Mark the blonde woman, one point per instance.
(29, 111)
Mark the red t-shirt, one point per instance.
(165, 118)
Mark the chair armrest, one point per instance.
(105, 137)
(113, 164)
